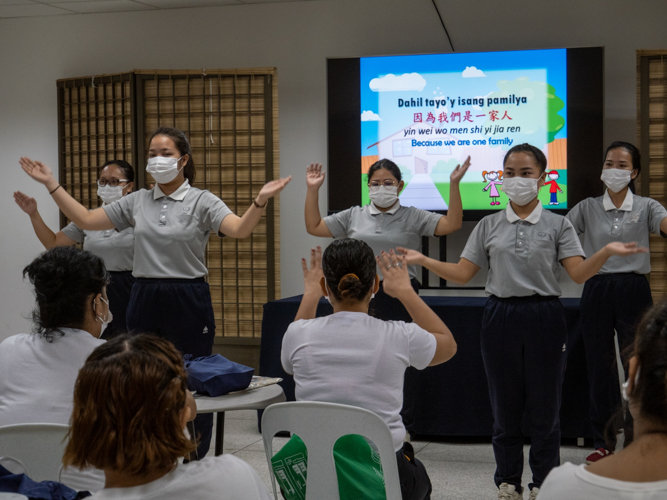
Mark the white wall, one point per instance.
(296, 38)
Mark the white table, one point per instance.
(254, 399)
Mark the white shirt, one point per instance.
(214, 478)
(354, 359)
(575, 482)
(37, 377)
(37, 386)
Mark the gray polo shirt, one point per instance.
(398, 227)
(115, 248)
(523, 255)
(601, 223)
(170, 232)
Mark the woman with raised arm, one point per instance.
(638, 471)
(115, 248)
(614, 300)
(352, 358)
(172, 223)
(384, 224)
(524, 334)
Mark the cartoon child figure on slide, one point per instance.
(553, 187)
(524, 333)
(494, 179)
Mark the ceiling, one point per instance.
(32, 8)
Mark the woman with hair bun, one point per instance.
(38, 370)
(352, 358)
(131, 405)
(638, 471)
(172, 223)
(115, 248)
(615, 298)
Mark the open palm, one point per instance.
(27, 204)
(270, 189)
(36, 169)
(314, 176)
(460, 170)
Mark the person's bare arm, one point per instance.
(454, 219)
(581, 270)
(396, 284)
(47, 237)
(461, 272)
(95, 220)
(242, 227)
(312, 291)
(314, 223)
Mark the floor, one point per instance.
(457, 471)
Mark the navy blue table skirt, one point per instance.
(452, 398)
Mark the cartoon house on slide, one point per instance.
(420, 160)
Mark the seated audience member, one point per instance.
(352, 358)
(130, 410)
(38, 370)
(638, 471)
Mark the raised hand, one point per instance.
(312, 275)
(460, 170)
(37, 170)
(413, 257)
(314, 176)
(625, 249)
(396, 279)
(25, 202)
(270, 189)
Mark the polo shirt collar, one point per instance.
(625, 207)
(533, 218)
(374, 210)
(177, 195)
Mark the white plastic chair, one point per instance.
(38, 448)
(320, 425)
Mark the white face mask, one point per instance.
(520, 190)
(164, 169)
(105, 322)
(624, 386)
(616, 179)
(109, 194)
(384, 196)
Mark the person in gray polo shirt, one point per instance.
(172, 223)
(524, 334)
(615, 299)
(115, 248)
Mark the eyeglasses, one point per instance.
(110, 182)
(386, 183)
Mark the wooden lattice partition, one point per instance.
(652, 136)
(231, 119)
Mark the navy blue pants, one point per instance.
(180, 311)
(390, 309)
(118, 292)
(523, 342)
(610, 302)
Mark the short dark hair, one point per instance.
(634, 153)
(349, 269)
(128, 399)
(651, 350)
(183, 146)
(125, 167)
(531, 150)
(64, 278)
(387, 165)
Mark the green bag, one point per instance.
(358, 469)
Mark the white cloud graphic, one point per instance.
(472, 72)
(393, 83)
(369, 116)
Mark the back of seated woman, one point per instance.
(130, 410)
(638, 471)
(38, 370)
(352, 358)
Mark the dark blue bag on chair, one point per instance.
(215, 375)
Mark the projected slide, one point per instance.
(428, 113)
